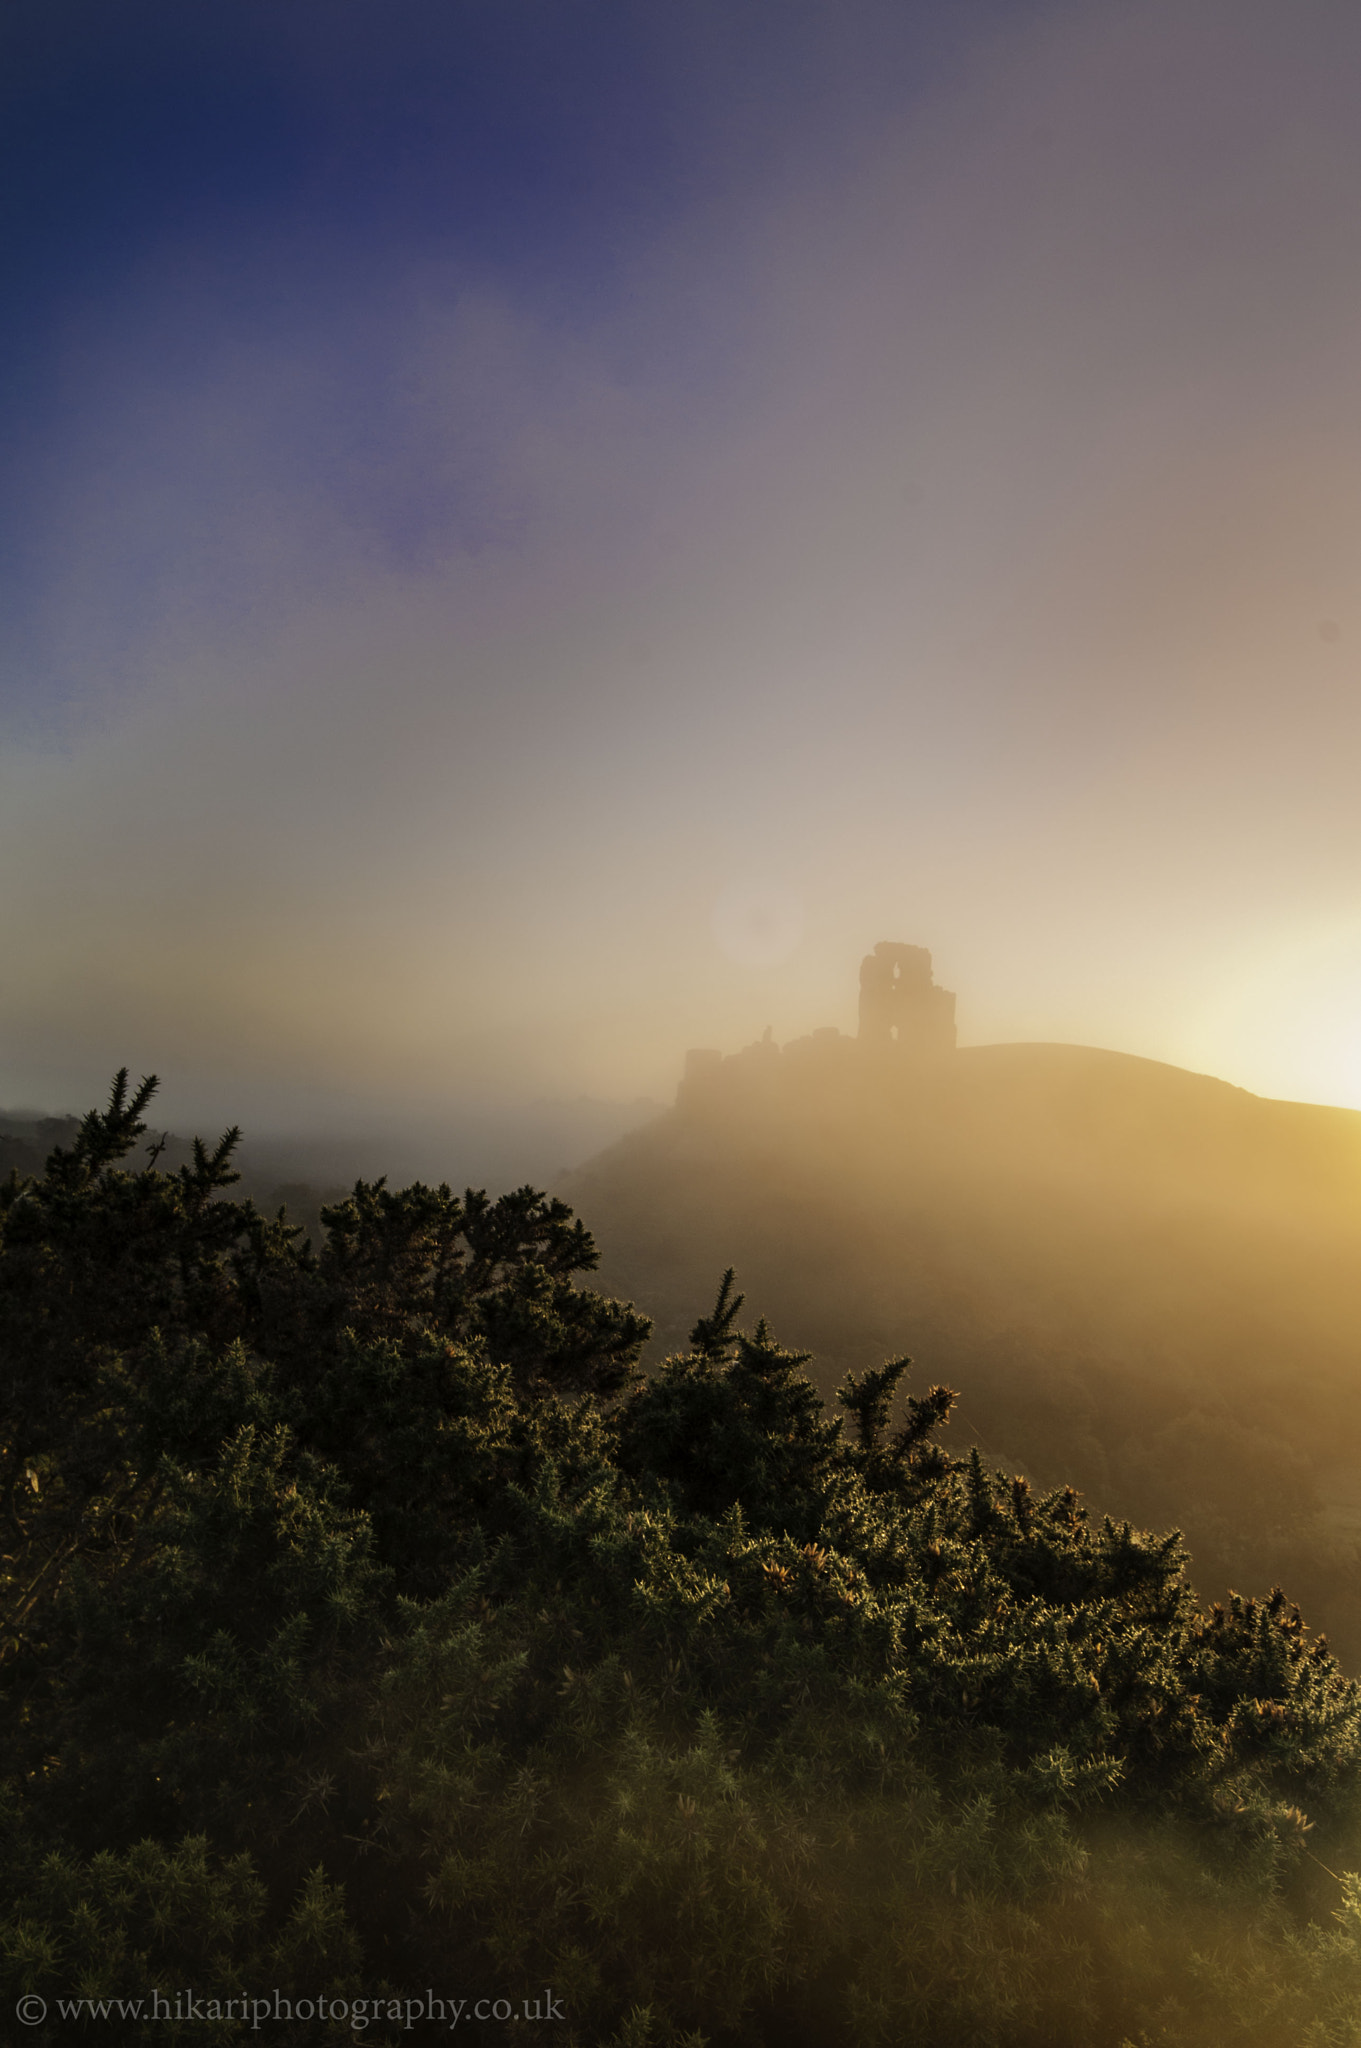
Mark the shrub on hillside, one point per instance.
(370, 1624)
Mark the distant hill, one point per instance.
(496, 1147)
(26, 1139)
(1141, 1279)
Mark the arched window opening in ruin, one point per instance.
(900, 1003)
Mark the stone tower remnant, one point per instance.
(900, 1003)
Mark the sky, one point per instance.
(533, 532)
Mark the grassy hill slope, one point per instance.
(1141, 1279)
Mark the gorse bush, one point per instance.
(370, 1623)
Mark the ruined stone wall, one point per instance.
(900, 1007)
(900, 1003)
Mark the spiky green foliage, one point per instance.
(371, 1625)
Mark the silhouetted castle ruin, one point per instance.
(907, 1025)
(900, 1003)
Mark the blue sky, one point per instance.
(486, 489)
(182, 179)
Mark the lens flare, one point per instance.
(758, 924)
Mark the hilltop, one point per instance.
(1141, 1279)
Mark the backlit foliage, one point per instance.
(370, 1623)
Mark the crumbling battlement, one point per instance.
(900, 1003)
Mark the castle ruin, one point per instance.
(907, 1027)
(900, 1003)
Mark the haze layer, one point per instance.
(535, 533)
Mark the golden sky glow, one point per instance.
(946, 526)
